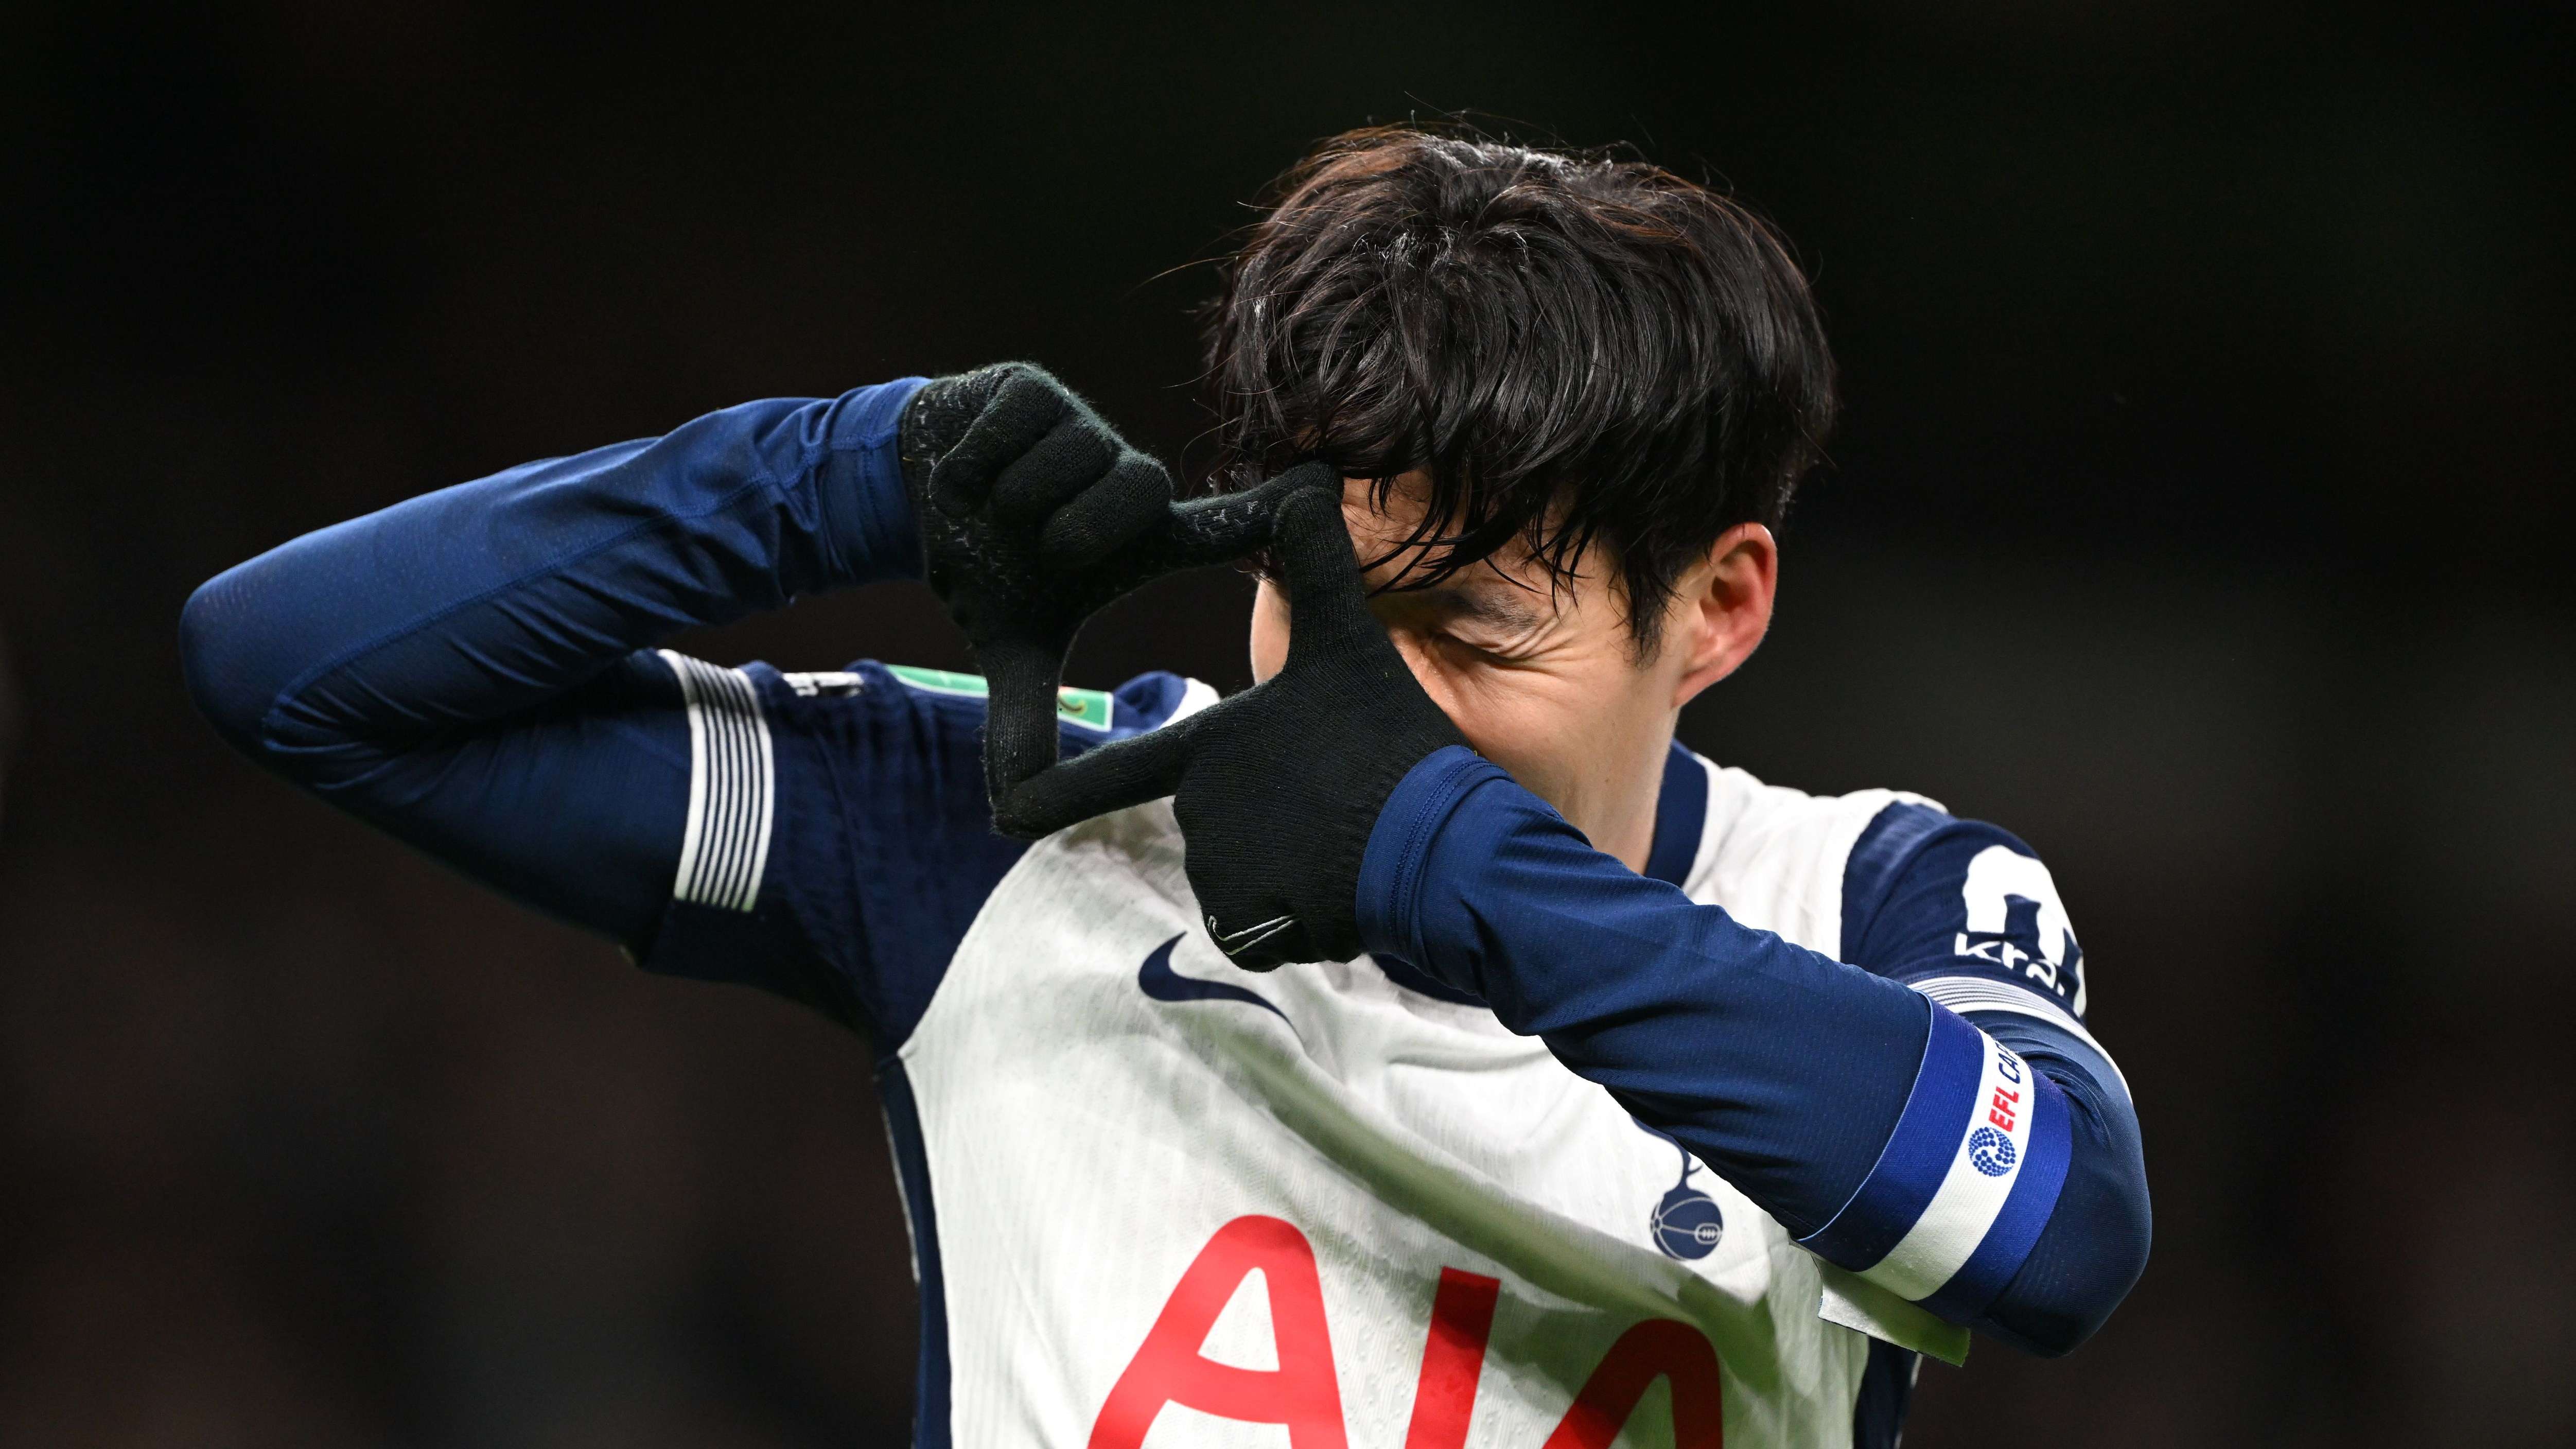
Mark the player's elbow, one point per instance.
(217, 639)
(2086, 1260)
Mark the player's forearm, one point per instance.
(462, 670)
(470, 604)
(1849, 1107)
(1792, 1067)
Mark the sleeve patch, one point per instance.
(1983, 1164)
(1960, 1192)
(1090, 709)
(733, 788)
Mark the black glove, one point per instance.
(1034, 514)
(1277, 788)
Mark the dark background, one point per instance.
(2200, 515)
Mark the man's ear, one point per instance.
(1722, 608)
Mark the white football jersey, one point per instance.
(1159, 1201)
(1106, 1108)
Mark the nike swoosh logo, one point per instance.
(1237, 942)
(1163, 983)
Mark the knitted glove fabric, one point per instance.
(1277, 788)
(1034, 514)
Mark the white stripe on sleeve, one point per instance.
(732, 787)
(1986, 1164)
(1966, 994)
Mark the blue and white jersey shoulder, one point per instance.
(1890, 881)
(1967, 915)
(838, 841)
(1964, 913)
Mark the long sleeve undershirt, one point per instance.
(463, 669)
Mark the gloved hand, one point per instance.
(1034, 514)
(1277, 788)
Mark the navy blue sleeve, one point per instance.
(462, 669)
(1891, 1135)
(469, 671)
(1968, 915)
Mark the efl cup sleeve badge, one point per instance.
(1971, 1193)
(1991, 1152)
(1966, 1182)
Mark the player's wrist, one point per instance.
(869, 526)
(1397, 864)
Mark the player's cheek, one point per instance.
(1452, 683)
(1551, 715)
(1430, 667)
(1269, 631)
(1508, 715)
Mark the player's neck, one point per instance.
(1618, 812)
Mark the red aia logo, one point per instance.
(1304, 1394)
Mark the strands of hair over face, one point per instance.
(1575, 347)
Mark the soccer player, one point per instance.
(1419, 1047)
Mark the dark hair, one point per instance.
(1578, 347)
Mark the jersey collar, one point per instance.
(1681, 817)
